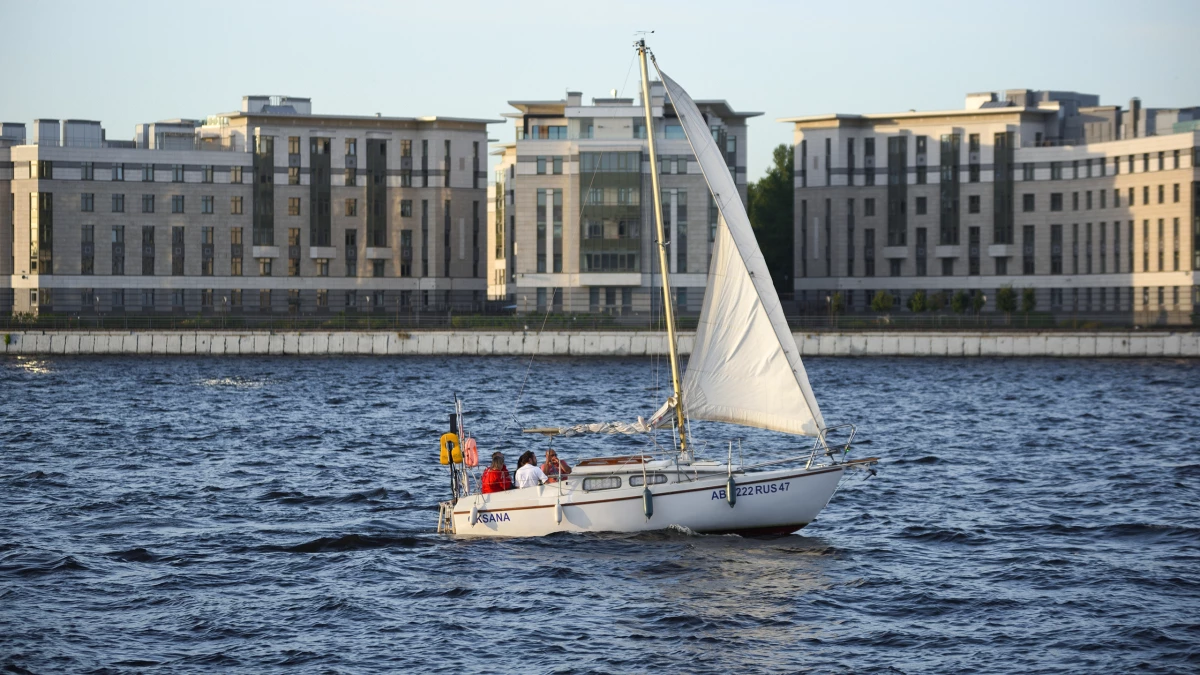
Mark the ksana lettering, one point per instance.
(494, 517)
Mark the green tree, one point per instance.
(937, 301)
(1006, 299)
(959, 302)
(882, 302)
(917, 302)
(771, 209)
(978, 300)
(837, 304)
(1028, 300)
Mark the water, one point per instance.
(276, 515)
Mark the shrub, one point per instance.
(959, 302)
(1006, 299)
(1028, 300)
(916, 302)
(882, 302)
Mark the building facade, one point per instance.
(571, 207)
(1093, 207)
(267, 209)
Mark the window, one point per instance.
(377, 268)
(1074, 201)
(351, 146)
(87, 170)
(868, 207)
(147, 203)
(1027, 250)
(1027, 171)
(323, 294)
(558, 165)
(599, 483)
(1103, 199)
(541, 165)
(235, 174)
(1145, 161)
(206, 173)
(87, 249)
(1055, 170)
(351, 207)
(1056, 249)
(235, 206)
(1089, 199)
(118, 249)
(293, 145)
(894, 266)
(177, 173)
(1175, 194)
(264, 300)
(1145, 195)
(118, 172)
(1027, 203)
(921, 206)
(264, 267)
(206, 251)
(206, 204)
(177, 251)
(294, 175)
(293, 206)
(87, 200)
(147, 173)
(322, 267)
(1176, 155)
(1056, 201)
(118, 203)
(351, 176)
(1162, 194)
(176, 203)
(406, 208)
(147, 250)
(651, 478)
(973, 204)
(235, 252)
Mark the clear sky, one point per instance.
(130, 62)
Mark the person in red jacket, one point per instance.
(496, 477)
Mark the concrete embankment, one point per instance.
(594, 343)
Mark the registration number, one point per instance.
(751, 490)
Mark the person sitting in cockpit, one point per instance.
(496, 477)
(528, 473)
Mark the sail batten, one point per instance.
(744, 368)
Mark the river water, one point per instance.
(169, 515)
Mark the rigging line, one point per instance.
(550, 303)
(627, 72)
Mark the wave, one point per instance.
(293, 497)
(351, 542)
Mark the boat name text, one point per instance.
(750, 490)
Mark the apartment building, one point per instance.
(1094, 207)
(571, 209)
(270, 208)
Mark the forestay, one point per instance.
(745, 367)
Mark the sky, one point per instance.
(124, 63)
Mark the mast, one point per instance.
(660, 231)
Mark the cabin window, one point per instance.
(605, 483)
(652, 478)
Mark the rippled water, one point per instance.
(277, 515)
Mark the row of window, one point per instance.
(1073, 299)
(234, 299)
(1028, 201)
(1094, 239)
(87, 204)
(378, 268)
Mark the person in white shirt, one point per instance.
(528, 473)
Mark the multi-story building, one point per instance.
(571, 211)
(270, 208)
(1093, 207)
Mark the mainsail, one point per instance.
(745, 367)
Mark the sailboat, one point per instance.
(744, 369)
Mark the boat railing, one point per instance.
(821, 443)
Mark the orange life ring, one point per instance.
(471, 452)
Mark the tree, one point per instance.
(1006, 301)
(1028, 300)
(917, 302)
(959, 302)
(937, 301)
(882, 302)
(837, 304)
(771, 210)
(978, 300)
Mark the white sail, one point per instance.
(745, 367)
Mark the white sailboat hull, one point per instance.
(769, 502)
